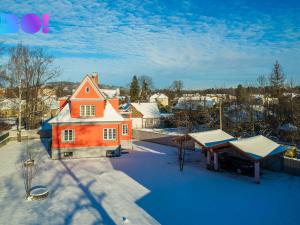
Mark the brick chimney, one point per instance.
(95, 78)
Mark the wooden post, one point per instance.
(216, 161)
(208, 157)
(256, 172)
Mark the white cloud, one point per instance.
(168, 46)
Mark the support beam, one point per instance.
(216, 161)
(256, 172)
(208, 157)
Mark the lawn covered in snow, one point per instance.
(144, 186)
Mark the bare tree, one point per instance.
(27, 72)
(28, 167)
(177, 87)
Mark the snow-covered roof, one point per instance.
(258, 147)
(9, 104)
(147, 109)
(111, 93)
(110, 115)
(158, 95)
(212, 138)
(288, 127)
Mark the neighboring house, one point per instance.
(111, 93)
(10, 107)
(50, 106)
(194, 102)
(160, 98)
(145, 115)
(89, 124)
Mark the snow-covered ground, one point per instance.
(144, 186)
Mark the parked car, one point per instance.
(291, 152)
(239, 165)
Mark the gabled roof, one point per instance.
(162, 96)
(258, 147)
(110, 115)
(158, 95)
(211, 138)
(147, 109)
(110, 93)
(87, 78)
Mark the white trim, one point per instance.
(83, 113)
(63, 136)
(112, 134)
(127, 129)
(87, 79)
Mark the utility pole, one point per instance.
(221, 127)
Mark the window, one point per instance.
(68, 135)
(125, 129)
(109, 134)
(68, 154)
(87, 89)
(150, 121)
(87, 110)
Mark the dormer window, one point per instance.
(87, 110)
(87, 89)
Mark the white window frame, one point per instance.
(68, 135)
(109, 134)
(87, 110)
(126, 129)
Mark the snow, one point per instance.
(258, 146)
(111, 93)
(288, 127)
(147, 109)
(212, 137)
(158, 96)
(143, 187)
(110, 115)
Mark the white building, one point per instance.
(160, 98)
(145, 115)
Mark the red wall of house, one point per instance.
(62, 103)
(91, 94)
(129, 136)
(88, 135)
(75, 107)
(114, 102)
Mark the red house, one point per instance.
(89, 123)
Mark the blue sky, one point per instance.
(212, 43)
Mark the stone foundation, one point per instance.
(83, 152)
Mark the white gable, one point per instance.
(95, 87)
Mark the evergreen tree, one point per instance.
(134, 89)
(277, 79)
(241, 95)
(145, 91)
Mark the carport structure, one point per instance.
(210, 141)
(254, 149)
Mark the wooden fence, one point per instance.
(159, 138)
